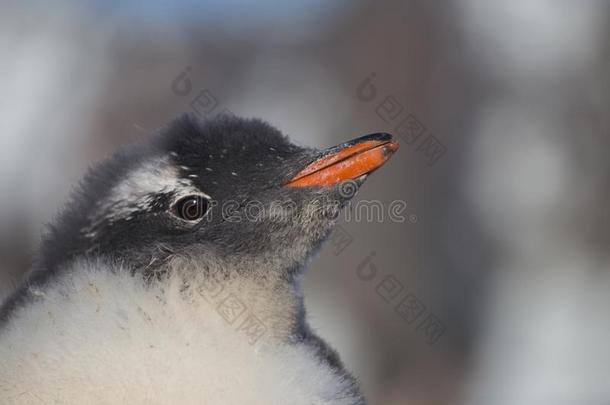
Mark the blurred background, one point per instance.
(495, 289)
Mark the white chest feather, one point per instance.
(102, 338)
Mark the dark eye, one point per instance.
(191, 208)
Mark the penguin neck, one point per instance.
(259, 298)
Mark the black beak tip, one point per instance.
(378, 136)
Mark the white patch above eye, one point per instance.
(151, 177)
(135, 192)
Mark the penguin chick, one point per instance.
(172, 275)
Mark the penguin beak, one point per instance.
(347, 161)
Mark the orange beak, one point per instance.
(347, 161)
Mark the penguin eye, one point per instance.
(191, 208)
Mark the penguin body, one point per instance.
(149, 290)
(107, 337)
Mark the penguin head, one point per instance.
(229, 189)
